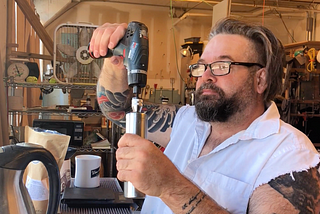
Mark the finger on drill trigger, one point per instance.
(92, 42)
(95, 42)
(117, 35)
(105, 40)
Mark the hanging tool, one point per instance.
(172, 82)
(134, 48)
(312, 63)
(155, 92)
(161, 95)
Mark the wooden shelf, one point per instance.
(313, 44)
(57, 112)
(89, 86)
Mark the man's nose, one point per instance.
(208, 76)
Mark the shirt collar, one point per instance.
(265, 125)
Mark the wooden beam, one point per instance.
(26, 55)
(20, 54)
(10, 27)
(36, 24)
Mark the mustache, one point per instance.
(211, 87)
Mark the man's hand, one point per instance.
(106, 36)
(145, 166)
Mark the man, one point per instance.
(230, 153)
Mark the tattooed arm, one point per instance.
(115, 104)
(298, 192)
(113, 93)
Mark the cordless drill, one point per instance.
(134, 48)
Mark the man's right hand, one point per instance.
(106, 36)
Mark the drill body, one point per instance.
(134, 48)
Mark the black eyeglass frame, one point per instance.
(247, 64)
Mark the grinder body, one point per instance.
(136, 123)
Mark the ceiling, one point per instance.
(245, 8)
(237, 6)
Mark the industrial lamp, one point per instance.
(186, 52)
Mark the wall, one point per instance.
(295, 25)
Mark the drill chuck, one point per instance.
(138, 56)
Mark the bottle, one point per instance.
(88, 103)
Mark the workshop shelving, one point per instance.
(301, 106)
(55, 112)
(10, 82)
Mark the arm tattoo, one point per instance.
(160, 117)
(114, 105)
(302, 189)
(196, 201)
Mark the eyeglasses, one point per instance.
(219, 68)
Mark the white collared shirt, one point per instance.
(229, 174)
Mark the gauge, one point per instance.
(19, 71)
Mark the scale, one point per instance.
(19, 71)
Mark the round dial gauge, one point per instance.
(19, 71)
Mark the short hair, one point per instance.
(269, 50)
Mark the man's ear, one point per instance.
(261, 80)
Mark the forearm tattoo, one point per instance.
(193, 202)
(301, 189)
(160, 117)
(114, 105)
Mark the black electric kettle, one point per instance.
(14, 159)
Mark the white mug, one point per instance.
(87, 173)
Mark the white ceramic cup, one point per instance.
(87, 173)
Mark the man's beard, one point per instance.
(219, 108)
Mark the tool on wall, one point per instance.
(155, 92)
(134, 48)
(161, 95)
(172, 82)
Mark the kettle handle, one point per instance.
(20, 155)
(54, 175)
